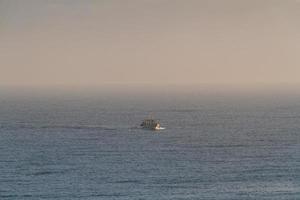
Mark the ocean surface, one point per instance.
(66, 146)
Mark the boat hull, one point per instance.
(151, 128)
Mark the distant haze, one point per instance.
(160, 42)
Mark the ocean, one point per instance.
(89, 146)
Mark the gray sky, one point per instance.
(161, 42)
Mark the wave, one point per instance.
(54, 126)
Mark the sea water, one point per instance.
(91, 147)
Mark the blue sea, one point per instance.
(89, 146)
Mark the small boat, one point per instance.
(151, 124)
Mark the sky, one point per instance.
(49, 43)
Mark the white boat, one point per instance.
(151, 124)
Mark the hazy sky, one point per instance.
(96, 42)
